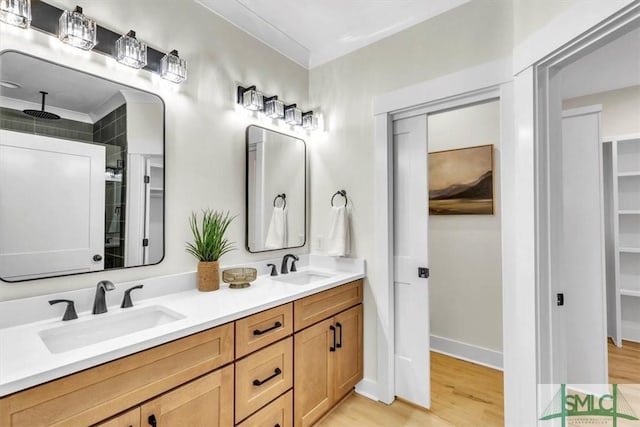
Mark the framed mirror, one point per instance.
(276, 190)
(81, 172)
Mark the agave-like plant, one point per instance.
(209, 243)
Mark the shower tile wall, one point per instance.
(18, 121)
(111, 130)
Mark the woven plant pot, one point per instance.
(208, 276)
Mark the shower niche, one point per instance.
(81, 172)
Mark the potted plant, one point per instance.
(209, 244)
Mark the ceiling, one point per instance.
(615, 65)
(312, 33)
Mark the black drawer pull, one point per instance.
(333, 329)
(264, 331)
(276, 372)
(277, 425)
(339, 325)
(152, 420)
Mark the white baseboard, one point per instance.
(630, 331)
(368, 388)
(468, 352)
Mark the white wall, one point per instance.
(205, 132)
(343, 156)
(465, 284)
(620, 109)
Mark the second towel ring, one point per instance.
(343, 194)
(282, 196)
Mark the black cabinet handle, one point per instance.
(276, 372)
(152, 421)
(277, 425)
(339, 325)
(97, 257)
(264, 331)
(333, 329)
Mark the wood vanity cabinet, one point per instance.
(328, 355)
(251, 372)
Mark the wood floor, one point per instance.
(624, 363)
(462, 394)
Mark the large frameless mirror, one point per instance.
(276, 190)
(81, 172)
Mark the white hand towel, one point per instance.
(277, 232)
(338, 238)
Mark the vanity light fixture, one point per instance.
(16, 12)
(77, 30)
(293, 115)
(274, 108)
(250, 98)
(173, 68)
(130, 51)
(309, 121)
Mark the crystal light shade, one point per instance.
(253, 100)
(309, 121)
(274, 108)
(130, 51)
(293, 115)
(76, 29)
(173, 68)
(16, 12)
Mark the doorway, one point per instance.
(467, 314)
(589, 247)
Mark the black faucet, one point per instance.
(283, 267)
(274, 272)
(126, 300)
(99, 302)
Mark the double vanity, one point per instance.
(285, 350)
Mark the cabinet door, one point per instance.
(348, 354)
(204, 402)
(313, 370)
(128, 419)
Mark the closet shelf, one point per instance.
(630, 293)
(625, 174)
(629, 250)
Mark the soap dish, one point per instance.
(239, 278)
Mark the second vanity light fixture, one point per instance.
(254, 100)
(76, 29)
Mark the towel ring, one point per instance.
(340, 193)
(284, 200)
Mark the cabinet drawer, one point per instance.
(277, 413)
(261, 329)
(263, 376)
(315, 308)
(96, 394)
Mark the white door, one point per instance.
(581, 273)
(411, 213)
(51, 206)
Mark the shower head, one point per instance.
(41, 114)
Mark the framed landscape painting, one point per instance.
(461, 181)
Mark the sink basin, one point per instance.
(104, 327)
(303, 277)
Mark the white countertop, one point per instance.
(25, 361)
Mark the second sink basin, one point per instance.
(101, 328)
(303, 277)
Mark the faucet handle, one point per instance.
(274, 271)
(293, 268)
(126, 301)
(70, 312)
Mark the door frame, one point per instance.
(480, 83)
(545, 131)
